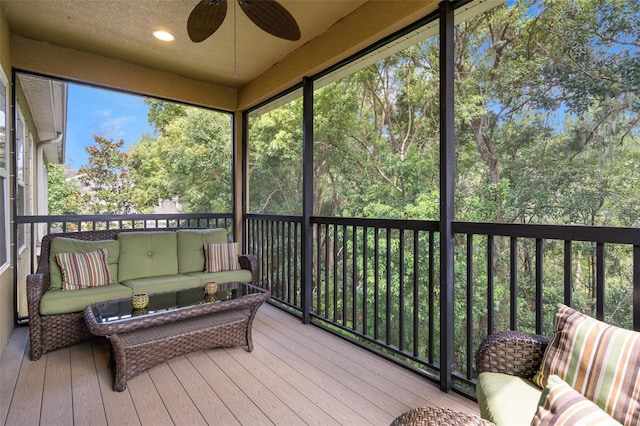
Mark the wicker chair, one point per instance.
(49, 332)
(438, 416)
(511, 352)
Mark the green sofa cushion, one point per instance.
(72, 245)
(147, 254)
(507, 400)
(161, 284)
(241, 275)
(57, 301)
(191, 243)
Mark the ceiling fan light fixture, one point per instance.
(163, 35)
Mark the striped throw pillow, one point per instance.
(84, 270)
(221, 257)
(560, 404)
(600, 361)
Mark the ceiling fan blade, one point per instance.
(272, 17)
(205, 19)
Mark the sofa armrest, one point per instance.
(250, 263)
(37, 284)
(511, 352)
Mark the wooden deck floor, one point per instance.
(296, 375)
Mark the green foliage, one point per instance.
(189, 159)
(546, 120)
(64, 196)
(106, 178)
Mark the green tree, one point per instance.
(64, 196)
(106, 178)
(189, 158)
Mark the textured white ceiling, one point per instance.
(122, 29)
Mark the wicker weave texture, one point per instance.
(437, 416)
(55, 331)
(511, 352)
(136, 351)
(141, 342)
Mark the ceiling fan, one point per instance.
(269, 15)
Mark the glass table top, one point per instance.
(121, 310)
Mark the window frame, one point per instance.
(4, 177)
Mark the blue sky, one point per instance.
(104, 113)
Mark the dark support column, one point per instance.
(636, 288)
(447, 141)
(307, 197)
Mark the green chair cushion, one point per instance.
(191, 257)
(507, 400)
(240, 275)
(57, 301)
(72, 245)
(161, 284)
(147, 254)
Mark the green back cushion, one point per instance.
(147, 254)
(191, 243)
(71, 245)
(600, 361)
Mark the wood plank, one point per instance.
(10, 367)
(413, 389)
(87, 405)
(175, 398)
(118, 406)
(356, 362)
(261, 394)
(297, 401)
(57, 399)
(203, 396)
(233, 397)
(323, 398)
(147, 401)
(297, 374)
(341, 384)
(27, 396)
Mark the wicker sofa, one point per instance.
(588, 372)
(144, 260)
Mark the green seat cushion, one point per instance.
(161, 284)
(147, 254)
(72, 245)
(241, 275)
(57, 301)
(507, 400)
(191, 257)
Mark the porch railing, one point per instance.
(376, 282)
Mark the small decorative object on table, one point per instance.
(211, 287)
(140, 301)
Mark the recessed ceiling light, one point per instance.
(163, 35)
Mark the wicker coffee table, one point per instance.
(174, 323)
(438, 416)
